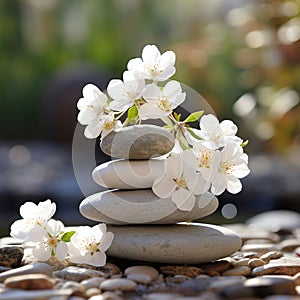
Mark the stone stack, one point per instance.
(145, 227)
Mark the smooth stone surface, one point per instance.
(128, 174)
(36, 268)
(144, 270)
(276, 220)
(282, 266)
(182, 243)
(11, 256)
(30, 282)
(138, 142)
(77, 273)
(142, 207)
(121, 284)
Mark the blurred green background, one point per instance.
(243, 57)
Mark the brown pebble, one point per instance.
(255, 262)
(110, 269)
(239, 271)
(121, 284)
(219, 266)
(29, 282)
(11, 256)
(177, 279)
(282, 266)
(192, 272)
(212, 273)
(242, 262)
(271, 255)
(145, 270)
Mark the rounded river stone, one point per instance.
(185, 243)
(128, 174)
(138, 142)
(142, 207)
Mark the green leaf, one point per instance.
(245, 143)
(193, 134)
(177, 116)
(67, 236)
(132, 113)
(182, 141)
(195, 116)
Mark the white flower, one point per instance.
(33, 216)
(88, 245)
(208, 160)
(49, 242)
(92, 104)
(180, 181)
(104, 125)
(217, 134)
(125, 92)
(161, 102)
(153, 65)
(233, 165)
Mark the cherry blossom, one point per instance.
(216, 134)
(88, 245)
(49, 241)
(180, 181)
(232, 167)
(104, 126)
(161, 102)
(125, 92)
(153, 65)
(33, 216)
(92, 105)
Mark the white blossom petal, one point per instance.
(164, 187)
(106, 241)
(183, 199)
(61, 250)
(234, 185)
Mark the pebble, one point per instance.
(107, 296)
(121, 284)
(262, 248)
(128, 174)
(141, 207)
(219, 266)
(13, 294)
(92, 292)
(93, 282)
(138, 142)
(266, 257)
(282, 266)
(77, 274)
(238, 271)
(36, 268)
(289, 245)
(140, 278)
(241, 262)
(267, 285)
(255, 262)
(143, 270)
(29, 282)
(276, 220)
(249, 233)
(11, 256)
(181, 270)
(110, 269)
(180, 244)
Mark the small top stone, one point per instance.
(138, 142)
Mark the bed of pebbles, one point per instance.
(266, 267)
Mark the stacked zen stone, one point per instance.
(144, 225)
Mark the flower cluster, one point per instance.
(210, 158)
(49, 238)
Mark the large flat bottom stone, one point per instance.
(184, 243)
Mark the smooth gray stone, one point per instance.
(142, 207)
(128, 174)
(186, 243)
(138, 142)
